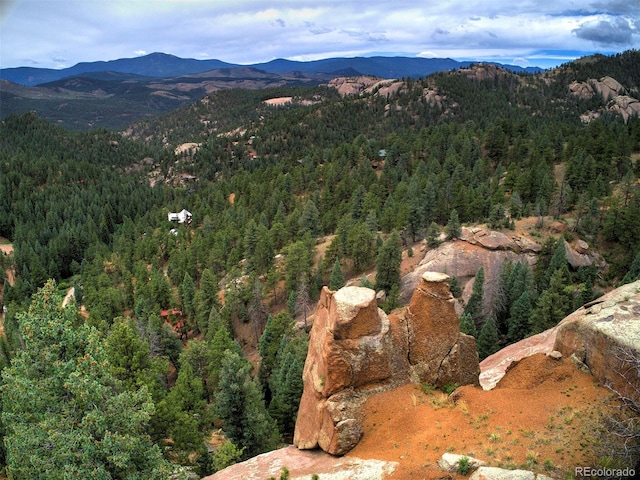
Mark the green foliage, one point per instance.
(453, 228)
(63, 412)
(634, 271)
(467, 326)
(393, 299)
(366, 283)
(336, 281)
(388, 265)
(226, 455)
(240, 407)
(487, 343)
(519, 315)
(464, 465)
(553, 304)
(474, 305)
(286, 384)
(454, 286)
(279, 329)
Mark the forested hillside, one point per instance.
(167, 306)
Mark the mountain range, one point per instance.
(117, 93)
(161, 65)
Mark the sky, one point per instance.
(542, 33)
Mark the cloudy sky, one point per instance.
(61, 33)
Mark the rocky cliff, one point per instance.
(602, 337)
(356, 350)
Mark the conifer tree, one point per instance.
(467, 326)
(453, 229)
(474, 305)
(433, 235)
(63, 413)
(487, 343)
(553, 304)
(389, 261)
(336, 282)
(634, 271)
(240, 407)
(518, 323)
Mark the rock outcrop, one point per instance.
(302, 464)
(613, 95)
(495, 473)
(477, 247)
(604, 335)
(356, 350)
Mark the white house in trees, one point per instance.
(183, 216)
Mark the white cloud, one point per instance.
(51, 33)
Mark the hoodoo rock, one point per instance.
(356, 350)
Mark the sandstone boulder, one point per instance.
(449, 462)
(494, 367)
(301, 464)
(356, 350)
(495, 473)
(605, 336)
(581, 257)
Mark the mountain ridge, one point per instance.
(166, 65)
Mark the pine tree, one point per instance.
(467, 326)
(553, 304)
(634, 271)
(63, 414)
(433, 235)
(240, 407)
(453, 229)
(519, 314)
(336, 282)
(389, 261)
(474, 305)
(487, 343)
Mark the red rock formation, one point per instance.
(356, 350)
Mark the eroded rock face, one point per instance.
(356, 350)
(477, 247)
(605, 335)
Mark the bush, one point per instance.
(464, 466)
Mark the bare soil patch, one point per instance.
(542, 416)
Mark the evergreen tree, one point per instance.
(553, 304)
(240, 407)
(360, 246)
(453, 229)
(336, 282)
(388, 265)
(433, 235)
(279, 327)
(487, 343)
(187, 294)
(309, 219)
(182, 416)
(63, 413)
(518, 323)
(474, 305)
(634, 271)
(467, 326)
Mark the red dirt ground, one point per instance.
(542, 416)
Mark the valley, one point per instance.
(521, 189)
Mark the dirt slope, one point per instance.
(542, 416)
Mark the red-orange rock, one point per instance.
(356, 350)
